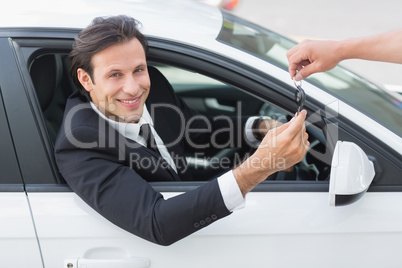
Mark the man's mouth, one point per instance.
(129, 101)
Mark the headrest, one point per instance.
(46, 74)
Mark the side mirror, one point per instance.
(351, 174)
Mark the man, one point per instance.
(103, 127)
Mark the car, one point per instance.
(340, 207)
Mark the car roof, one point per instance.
(160, 18)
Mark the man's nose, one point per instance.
(131, 86)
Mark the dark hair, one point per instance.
(102, 33)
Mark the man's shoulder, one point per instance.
(79, 118)
(78, 111)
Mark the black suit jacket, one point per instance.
(105, 169)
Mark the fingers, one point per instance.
(306, 71)
(299, 143)
(296, 124)
(292, 132)
(313, 56)
(296, 133)
(296, 63)
(292, 127)
(298, 58)
(293, 67)
(303, 59)
(300, 69)
(288, 143)
(306, 143)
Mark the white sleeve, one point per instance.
(231, 194)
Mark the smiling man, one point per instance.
(122, 83)
(107, 122)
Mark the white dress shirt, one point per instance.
(228, 186)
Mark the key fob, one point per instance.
(300, 97)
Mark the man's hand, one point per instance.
(268, 124)
(312, 56)
(280, 149)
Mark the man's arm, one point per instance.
(312, 56)
(122, 196)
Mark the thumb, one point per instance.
(306, 71)
(278, 130)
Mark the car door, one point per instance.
(18, 242)
(289, 215)
(287, 221)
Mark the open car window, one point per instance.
(208, 96)
(213, 90)
(213, 98)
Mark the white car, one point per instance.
(341, 207)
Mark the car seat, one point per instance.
(50, 76)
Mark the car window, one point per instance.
(383, 106)
(9, 171)
(215, 94)
(214, 99)
(208, 96)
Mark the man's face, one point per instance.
(120, 83)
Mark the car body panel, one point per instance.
(18, 243)
(272, 226)
(203, 20)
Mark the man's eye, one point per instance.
(139, 70)
(114, 75)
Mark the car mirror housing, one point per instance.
(351, 174)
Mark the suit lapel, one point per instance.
(156, 157)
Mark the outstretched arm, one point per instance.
(312, 56)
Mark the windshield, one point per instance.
(381, 105)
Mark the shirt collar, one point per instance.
(128, 130)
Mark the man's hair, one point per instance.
(102, 33)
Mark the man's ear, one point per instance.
(85, 79)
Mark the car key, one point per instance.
(300, 97)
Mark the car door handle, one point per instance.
(214, 104)
(137, 262)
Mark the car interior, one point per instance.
(50, 76)
(50, 73)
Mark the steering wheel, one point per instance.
(304, 170)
